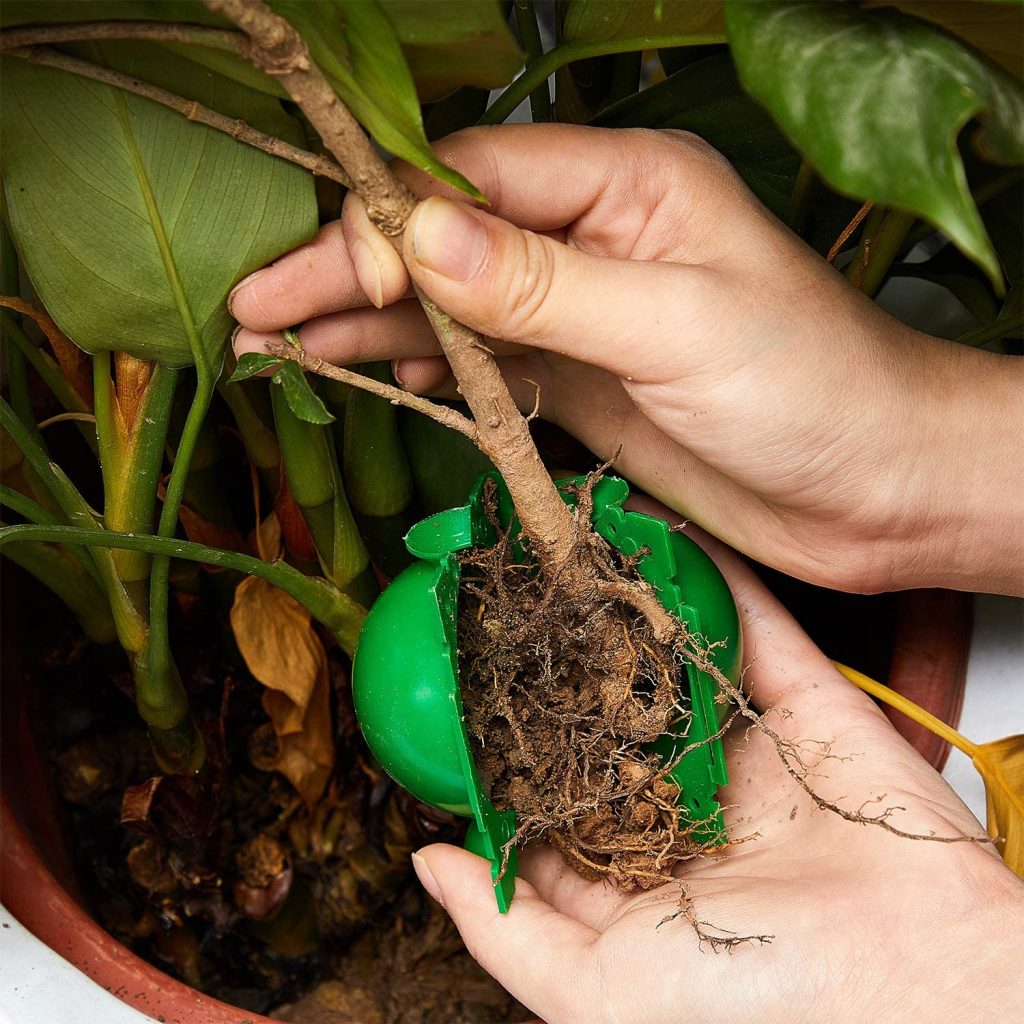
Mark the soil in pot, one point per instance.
(230, 882)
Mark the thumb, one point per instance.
(525, 287)
(540, 956)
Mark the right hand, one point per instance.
(659, 307)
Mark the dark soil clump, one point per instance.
(563, 698)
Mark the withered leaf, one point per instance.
(283, 651)
(1001, 765)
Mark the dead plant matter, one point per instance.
(563, 697)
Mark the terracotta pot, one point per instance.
(45, 908)
(925, 658)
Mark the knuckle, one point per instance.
(528, 294)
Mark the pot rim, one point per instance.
(32, 895)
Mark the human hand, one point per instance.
(661, 309)
(865, 925)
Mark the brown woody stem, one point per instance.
(153, 31)
(396, 396)
(502, 431)
(194, 111)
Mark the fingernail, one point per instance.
(368, 272)
(396, 372)
(427, 880)
(449, 239)
(234, 334)
(244, 283)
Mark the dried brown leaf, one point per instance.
(1001, 765)
(74, 363)
(283, 651)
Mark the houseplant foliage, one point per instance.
(151, 161)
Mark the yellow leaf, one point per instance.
(282, 650)
(1001, 765)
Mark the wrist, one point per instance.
(964, 523)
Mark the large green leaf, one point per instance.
(642, 23)
(876, 100)
(995, 28)
(447, 43)
(357, 49)
(132, 222)
(361, 46)
(450, 43)
(705, 98)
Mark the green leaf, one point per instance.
(450, 43)
(877, 101)
(132, 222)
(357, 49)
(995, 28)
(251, 363)
(706, 98)
(643, 23)
(301, 398)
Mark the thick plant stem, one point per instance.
(159, 693)
(132, 418)
(878, 248)
(503, 433)
(529, 36)
(131, 627)
(259, 440)
(311, 466)
(57, 569)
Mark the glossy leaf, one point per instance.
(876, 100)
(301, 398)
(994, 28)
(450, 43)
(705, 98)
(251, 363)
(356, 47)
(643, 23)
(194, 12)
(132, 222)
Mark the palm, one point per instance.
(849, 907)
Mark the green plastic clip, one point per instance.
(405, 679)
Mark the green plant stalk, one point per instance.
(879, 246)
(259, 441)
(131, 457)
(378, 479)
(131, 627)
(998, 329)
(529, 36)
(159, 693)
(50, 372)
(540, 70)
(311, 465)
(204, 489)
(36, 513)
(800, 199)
(17, 380)
(325, 602)
(56, 568)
